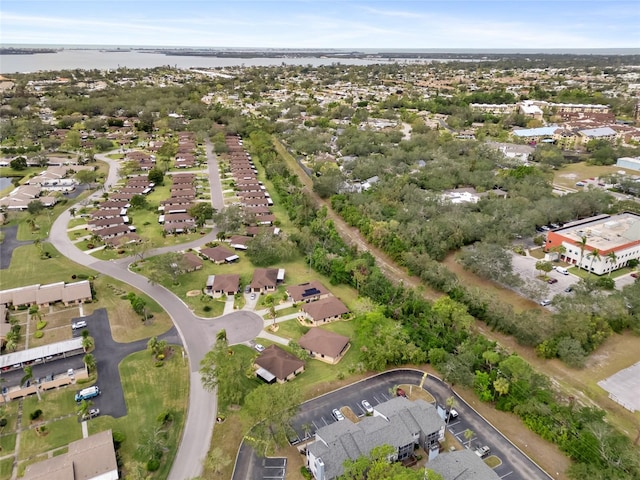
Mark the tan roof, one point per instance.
(217, 254)
(325, 308)
(226, 283)
(25, 295)
(323, 341)
(278, 362)
(87, 458)
(264, 277)
(306, 290)
(49, 293)
(193, 260)
(76, 291)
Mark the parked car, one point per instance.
(259, 347)
(546, 302)
(247, 289)
(367, 406)
(94, 412)
(78, 324)
(401, 393)
(634, 275)
(551, 281)
(453, 413)
(569, 289)
(337, 414)
(253, 296)
(483, 451)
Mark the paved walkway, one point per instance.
(273, 338)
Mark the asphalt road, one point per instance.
(317, 412)
(9, 244)
(197, 335)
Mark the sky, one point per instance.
(372, 24)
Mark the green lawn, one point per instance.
(55, 403)
(8, 443)
(6, 468)
(60, 433)
(28, 268)
(568, 175)
(149, 391)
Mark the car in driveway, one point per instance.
(79, 324)
(94, 412)
(259, 347)
(367, 406)
(337, 414)
(253, 296)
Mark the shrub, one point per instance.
(207, 308)
(153, 465)
(159, 363)
(38, 334)
(33, 309)
(3, 422)
(304, 471)
(35, 414)
(41, 324)
(118, 439)
(165, 417)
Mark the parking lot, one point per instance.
(316, 413)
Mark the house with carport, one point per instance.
(277, 365)
(223, 284)
(266, 279)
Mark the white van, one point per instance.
(562, 270)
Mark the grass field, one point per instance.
(568, 175)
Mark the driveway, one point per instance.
(317, 413)
(9, 244)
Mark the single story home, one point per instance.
(44, 295)
(193, 261)
(324, 345)
(266, 279)
(90, 458)
(239, 242)
(219, 254)
(308, 292)
(324, 311)
(222, 284)
(275, 364)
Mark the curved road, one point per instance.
(197, 334)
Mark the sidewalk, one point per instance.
(273, 338)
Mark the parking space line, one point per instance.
(506, 474)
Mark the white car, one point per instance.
(337, 414)
(94, 412)
(545, 303)
(259, 347)
(453, 413)
(78, 324)
(367, 406)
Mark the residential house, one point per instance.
(113, 232)
(275, 364)
(90, 458)
(239, 242)
(193, 261)
(324, 345)
(398, 422)
(44, 295)
(218, 285)
(324, 311)
(219, 255)
(266, 279)
(308, 292)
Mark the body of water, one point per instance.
(103, 60)
(4, 183)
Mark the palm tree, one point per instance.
(87, 343)
(612, 258)
(582, 244)
(468, 435)
(594, 255)
(89, 362)
(450, 403)
(28, 376)
(84, 407)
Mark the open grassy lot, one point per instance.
(28, 268)
(6, 468)
(149, 392)
(59, 433)
(568, 175)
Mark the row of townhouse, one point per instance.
(174, 211)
